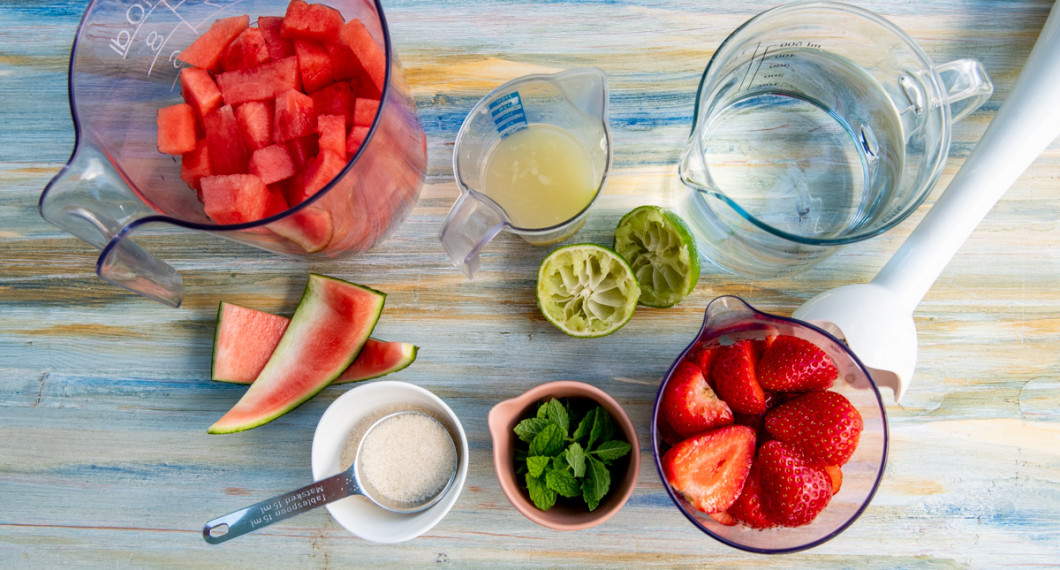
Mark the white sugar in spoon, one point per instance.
(352, 481)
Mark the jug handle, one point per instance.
(89, 200)
(966, 85)
(472, 222)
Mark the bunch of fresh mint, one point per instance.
(558, 463)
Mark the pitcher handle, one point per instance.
(90, 201)
(967, 86)
(472, 222)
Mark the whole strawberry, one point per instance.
(792, 364)
(823, 425)
(710, 469)
(688, 403)
(735, 378)
(795, 488)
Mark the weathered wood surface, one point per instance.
(105, 397)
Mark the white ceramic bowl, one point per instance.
(352, 411)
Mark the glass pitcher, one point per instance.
(124, 67)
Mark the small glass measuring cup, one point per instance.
(817, 124)
(124, 67)
(574, 102)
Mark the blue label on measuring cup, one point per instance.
(507, 113)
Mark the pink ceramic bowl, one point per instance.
(502, 421)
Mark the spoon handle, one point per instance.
(280, 507)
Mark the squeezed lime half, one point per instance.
(662, 252)
(586, 290)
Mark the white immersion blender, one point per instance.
(876, 319)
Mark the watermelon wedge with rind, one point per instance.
(245, 338)
(332, 322)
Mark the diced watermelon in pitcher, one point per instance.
(357, 135)
(206, 50)
(303, 150)
(234, 198)
(293, 117)
(228, 154)
(364, 112)
(324, 168)
(272, 164)
(314, 65)
(247, 50)
(335, 99)
(259, 83)
(311, 22)
(176, 129)
(194, 165)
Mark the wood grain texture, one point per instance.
(105, 397)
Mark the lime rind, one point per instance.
(662, 253)
(586, 290)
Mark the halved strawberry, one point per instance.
(735, 379)
(702, 355)
(748, 507)
(689, 405)
(792, 364)
(824, 425)
(709, 469)
(795, 488)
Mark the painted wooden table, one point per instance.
(105, 397)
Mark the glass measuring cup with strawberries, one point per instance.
(283, 125)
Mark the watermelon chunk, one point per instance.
(199, 90)
(314, 65)
(360, 41)
(247, 50)
(176, 129)
(259, 83)
(206, 50)
(357, 135)
(311, 22)
(255, 124)
(335, 99)
(293, 117)
(278, 46)
(321, 171)
(312, 229)
(245, 338)
(272, 164)
(333, 321)
(228, 154)
(194, 165)
(234, 198)
(364, 111)
(332, 134)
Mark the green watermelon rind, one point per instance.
(309, 309)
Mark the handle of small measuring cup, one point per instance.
(967, 86)
(472, 222)
(1027, 122)
(90, 201)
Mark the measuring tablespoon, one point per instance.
(390, 432)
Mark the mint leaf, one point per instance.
(549, 441)
(603, 427)
(584, 426)
(540, 494)
(609, 451)
(530, 427)
(596, 484)
(536, 465)
(563, 483)
(556, 413)
(575, 456)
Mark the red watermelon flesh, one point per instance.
(206, 50)
(314, 65)
(176, 129)
(228, 154)
(234, 198)
(199, 90)
(311, 22)
(278, 46)
(245, 339)
(259, 83)
(333, 321)
(312, 228)
(194, 165)
(332, 132)
(272, 164)
(360, 41)
(247, 50)
(293, 117)
(255, 124)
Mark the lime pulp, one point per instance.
(662, 252)
(586, 290)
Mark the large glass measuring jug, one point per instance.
(531, 158)
(817, 124)
(124, 67)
